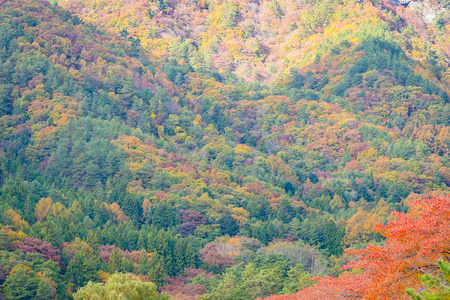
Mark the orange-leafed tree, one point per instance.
(17, 220)
(116, 212)
(415, 241)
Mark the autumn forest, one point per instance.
(225, 149)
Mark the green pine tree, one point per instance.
(178, 257)
(45, 290)
(142, 241)
(157, 273)
(190, 257)
(437, 287)
(144, 264)
(228, 224)
(79, 270)
(19, 285)
(28, 211)
(115, 261)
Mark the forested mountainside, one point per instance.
(220, 149)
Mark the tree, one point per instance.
(45, 249)
(80, 270)
(5, 239)
(162, 215)
(336, 203)
(285, 211)
(331, 237)
(190, 257)
(46, 290)
(230, 14)
(220, 254)
(298, 279)
(43, 208)
(259, 284)
(190, 219)
(120, 286)
(157, 273)
(116, 212)
(144, 263)
(415, 242)
(179, 257)
(294, 229)
(115, 261)
(17, 220)
(259, 208)
(276, 9)
(359, 227)
(179, 289)
(18, 285)
(437, 286)
(228, 224)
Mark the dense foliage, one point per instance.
(219, 149)
(415, 255)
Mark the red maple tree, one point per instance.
(415, 241)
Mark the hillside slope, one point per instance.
(212, 146)
(265, 40)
